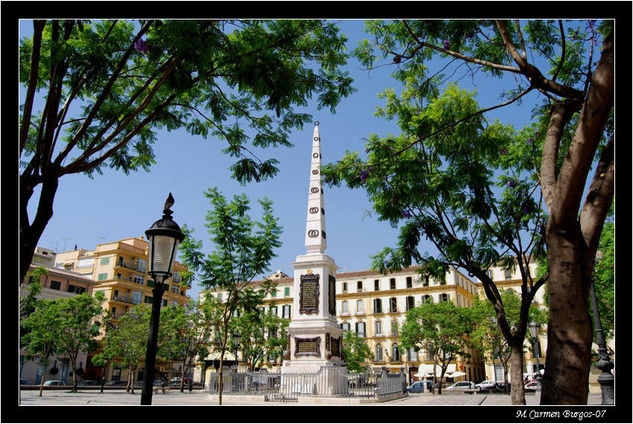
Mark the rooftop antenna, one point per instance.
(65, 239)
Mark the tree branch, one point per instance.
(587, 136)
(38, 28)
(532, 73)
(562, 55)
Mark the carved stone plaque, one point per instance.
(308, 347)
(335, 345)
(315, 155)
(314, 210)
(309, 294)
(332, 295)
(315, 171)
(313, 233)
(314, 190)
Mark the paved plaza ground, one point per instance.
(202, 398)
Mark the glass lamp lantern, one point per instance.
(164, 236)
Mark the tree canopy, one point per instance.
(436, 177)
(97, 93)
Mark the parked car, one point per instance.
(88, 383)
(486, 385)
(530, 385)
(416, 387)
(54, 383)
(116, 383)
(24, 382)
(461, 385)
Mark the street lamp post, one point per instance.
(164, 236)
(534, 327)
(604, 364)
(237, 338)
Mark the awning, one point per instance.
(428, 369)
(457, 374)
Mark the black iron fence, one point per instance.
(328, 381)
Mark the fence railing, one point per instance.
(328, 381)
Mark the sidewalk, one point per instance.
(202, 398)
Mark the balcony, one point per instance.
(123, 299)
(132, 265)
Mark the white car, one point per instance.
(53, 383)
(486, 385)
(461, 385)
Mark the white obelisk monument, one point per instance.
(315, 337)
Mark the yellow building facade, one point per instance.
(120, 271)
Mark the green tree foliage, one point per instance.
(79, 322)
(187, 331)
(437, 173)
(486, 336)
(604, 278)
(441, 330)
(263, 336)
(243, 249)
(31, 289)
(98, 92)
(355, 351)
(41, 340)
(125, 341)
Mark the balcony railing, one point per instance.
(132, 265)
(124, 299)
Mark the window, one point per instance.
(445, 297)
(427, 299)
(392, 283)
(443, 282)
(428, 356)
(345, 326)
(141, 265)
(412, 355)
(410, 303)
(394, 328)
(55, 285)
(274, 310)
(377, 306)
(85, 262)
(149, 299)
(114, 312)
(175, 289)
(359, 306)
(104, 261)
(102, 276)
(137, 297)
(376, 285)
(273, 293)
(286, 291)
(286, 310)
(409, 282)
(359, 286)
(344, 308)
(378, 326)
(395, 353)
(164, 302)
(344, 286)
(379, 352)
(139, 279)
(360, 328)
(426, 282)
(508, 274)
(219, 297)
(393, 305)
(76, 289)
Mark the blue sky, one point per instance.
(114, 206)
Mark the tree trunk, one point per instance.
(42, 380)
(182, 376)
(30, 233)
(569, 334)
(517, 393)
(73, 364)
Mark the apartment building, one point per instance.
(57, 284)
(119, 270)
(375, 306)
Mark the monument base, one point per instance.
(304, 377)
